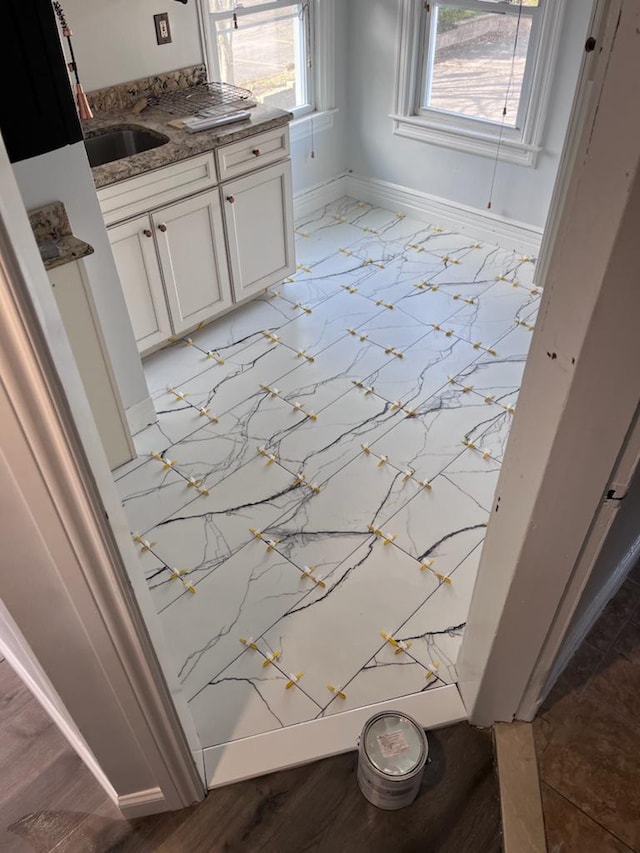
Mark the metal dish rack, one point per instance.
(216, 98)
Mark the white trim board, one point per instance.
(573, 640)
(481, 224)
(140, 415)
(305, 742)
(143, 803)
(314, 198)
(510, 234)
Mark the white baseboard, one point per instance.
(141, 415)
(310, 200)
(482, 224)
(142, 803)
(295, 745)
(579, 632)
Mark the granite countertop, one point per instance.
(181, 145)
(56, 242)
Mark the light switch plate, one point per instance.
(163, 31)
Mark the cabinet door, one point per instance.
(258, 212)
(136, 259)
(190, 238)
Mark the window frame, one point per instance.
(320, 75)
(520, 144)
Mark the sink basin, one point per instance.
(105, 146)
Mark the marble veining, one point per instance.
(310, 507)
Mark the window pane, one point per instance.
(473, 61)
(266, 54)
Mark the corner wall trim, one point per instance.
(331, 735)
(482, 224)
(140, 415)
(142, 803)
(312, 199)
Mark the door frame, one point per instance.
(553, 479)
(64, 584)
(578, 401)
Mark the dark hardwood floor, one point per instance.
(50, 802)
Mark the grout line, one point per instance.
(586, 814)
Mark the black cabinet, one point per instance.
(37, 108)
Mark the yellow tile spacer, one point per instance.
(145, 544)
(410, 413)
(303, 354)
(271, 337)
(408, 474)
(304, 308)
(432, 671)
(250, 643)
(426, 485)
(308, 572)
(192, 483)
(437, 229)
(382, 460)
(393, 351)
(257, 534)
(271, 544)
(168, 463)
(399, 645)
(346, 252)
(350, 288)
(383, 304)
(178, 573)
(271, 658)
(491, 398)
(179, 395)
(336, 692)
(206, 413)
(293, 679)
(211, 354)
(370, 230)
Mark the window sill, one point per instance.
(463, 139)
(316, 122)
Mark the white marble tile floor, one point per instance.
(311, 505)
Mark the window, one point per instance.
(472, 73)
(265, 46)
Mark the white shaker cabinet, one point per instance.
(258, 213)
(190, 239)
(188, 247)
(134, 252)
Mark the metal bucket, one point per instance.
(393, 754)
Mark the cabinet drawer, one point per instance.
(161, 186)
(253, 153)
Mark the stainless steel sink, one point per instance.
(105, 146)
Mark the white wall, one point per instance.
(115, 41)
(65, 175)
(521, 193)
(330, 145)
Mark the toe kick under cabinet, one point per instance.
(193, 239)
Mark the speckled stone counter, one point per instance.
(181, 144)
(52, 230)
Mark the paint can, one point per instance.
(393, 753)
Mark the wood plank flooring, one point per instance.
(50, 802)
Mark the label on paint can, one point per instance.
(392, 743)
